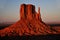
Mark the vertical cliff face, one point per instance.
(28, 12)
(23, 11)
(30, 23)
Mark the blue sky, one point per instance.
(50, 10)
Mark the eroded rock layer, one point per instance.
(30, 23)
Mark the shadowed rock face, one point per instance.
(28, 12)
(30, 23)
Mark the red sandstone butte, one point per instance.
(30, 23)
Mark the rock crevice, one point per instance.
(30, 23)
(28, 12)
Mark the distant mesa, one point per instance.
(30, 23)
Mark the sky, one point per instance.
(50, 10)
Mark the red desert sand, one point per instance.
(30, 23)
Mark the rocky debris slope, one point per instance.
(30, 23)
